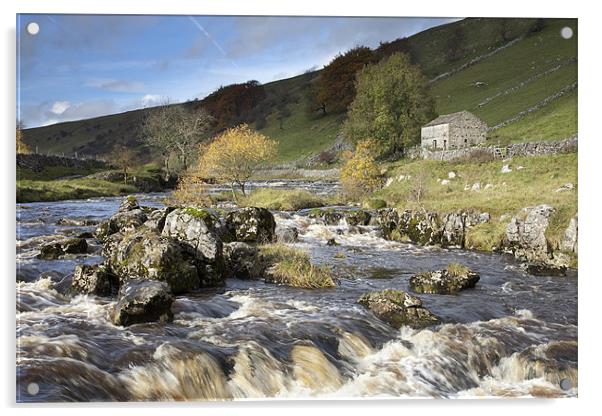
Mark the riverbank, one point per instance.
(59, 182)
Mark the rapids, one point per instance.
(513, 335)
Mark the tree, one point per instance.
(234, 103)
(361, 175)
(235, 155)
(455, 44)
(21, 146)
(175, 129)
(335, 87)
(124, 158)
(392, 103)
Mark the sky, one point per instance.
(82, 66)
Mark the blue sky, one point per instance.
(81, 66)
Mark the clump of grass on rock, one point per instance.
(292, 266)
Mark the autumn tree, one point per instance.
(21, 146)
(124, 158)
(361, 175)
(335, 87)
(233, 104)
(393, 101)
(176, 129)
(235, 155)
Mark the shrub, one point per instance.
(374, 203)
(282, 200)
(292, 266)
(361, 175)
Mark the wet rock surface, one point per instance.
(243, 261)
(57, 249)
(141, 301)
(94, 280)
(398, 308)
(251, 225)
(443, 281)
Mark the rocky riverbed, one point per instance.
(174, 313)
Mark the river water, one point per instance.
(514, 335)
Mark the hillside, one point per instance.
(515, 71)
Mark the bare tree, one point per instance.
(172, 128)
(124, 158)
(21, 146)
(419, 188)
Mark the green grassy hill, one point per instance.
(502, 69)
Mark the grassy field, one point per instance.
(511, 80)
(56, 183)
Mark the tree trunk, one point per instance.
(233, 192)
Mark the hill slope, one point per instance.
(518, 74)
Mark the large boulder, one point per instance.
(569, 242)
(328, 216)
(195, 230)
(141, 301)
(251, 225)
(129, 203)
(388, 220)
(156, 219)
(243, 261)
(422, 228)
(358, 217)
(94, 280)
(123, 221)
(398, 308)
(149, 255)
(56, 249)
(445, 281)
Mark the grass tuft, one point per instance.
(457, 269)
(293, 267)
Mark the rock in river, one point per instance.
(251, 225)
(59, 248)
(141, 301)
(243, 261)
(146, 254)
(398, 308)
(94, 280)
(444, 281)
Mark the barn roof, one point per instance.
(449, 118)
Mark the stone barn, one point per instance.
(453, 131)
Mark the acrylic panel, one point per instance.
(232, 207)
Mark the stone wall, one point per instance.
(37, 162)
(569, 145)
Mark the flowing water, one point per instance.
(513, 335)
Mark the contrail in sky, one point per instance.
(217, 45)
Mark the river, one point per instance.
(514, 335)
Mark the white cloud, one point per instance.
(150, 100)
(59, 107)
(115, 85)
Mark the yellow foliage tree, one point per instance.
(360, 174)
(21, 146)
(235, 155)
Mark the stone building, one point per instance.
(453, 131)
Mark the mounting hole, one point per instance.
(33, 389)
(33, 28)
(566, 32)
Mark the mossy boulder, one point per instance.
(243, 261)
(398, 308)
(358, 217)
(328, 216)
(251, 225)
(149, 255)
(446, 281)
(156, 218)
(142, 301)
(123, 221)
(94, 280)
(195, 229)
